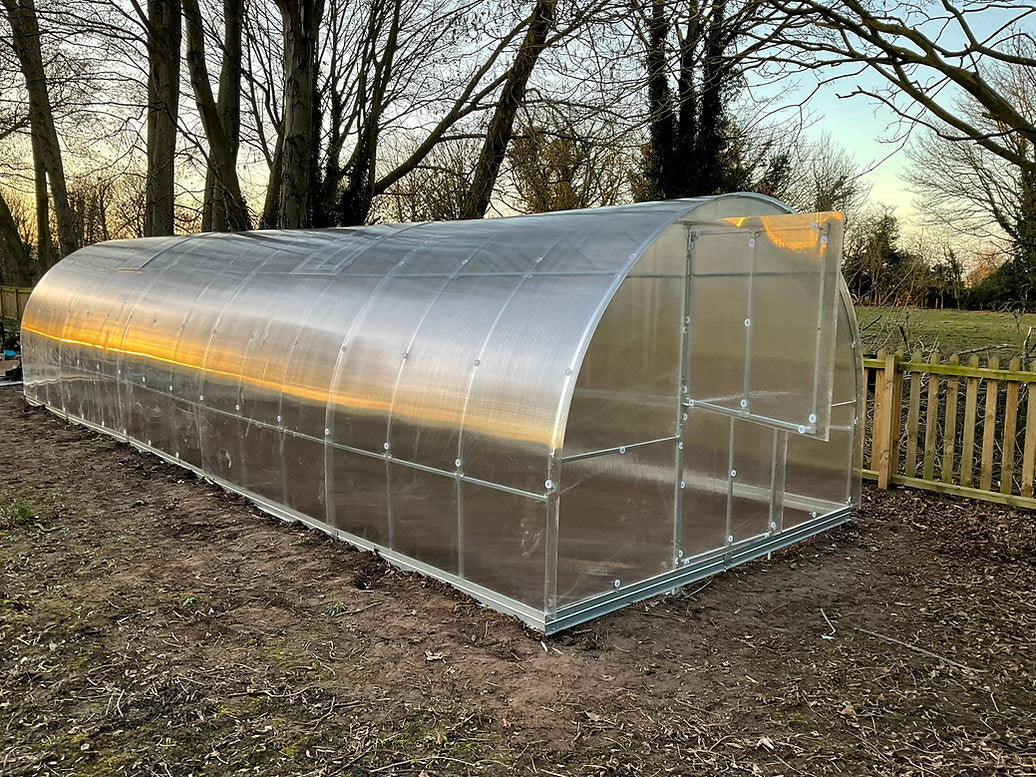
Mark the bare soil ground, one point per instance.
(151, 624)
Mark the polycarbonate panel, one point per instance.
(374, 357)
(525, 374)
(705, 494)
(424, 516)
(504, 543)
(617, 520)
(511, 421)
(357, 495)
(341, 253)
(756, 499)
(431, 393)
(778, 279)
(450, 250)
(143, 374)
(822, 476)
(796, 267)
(313, 357)
(264, 472)
(304, 481)
(517, 257)
(628, 389)
(720, 288)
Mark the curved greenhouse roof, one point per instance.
(557, 413)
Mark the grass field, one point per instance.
(986, 333)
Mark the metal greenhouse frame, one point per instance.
(558, 414)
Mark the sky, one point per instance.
(870, 133)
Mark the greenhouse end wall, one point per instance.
(558, 414)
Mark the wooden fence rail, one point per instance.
(12, 301)
(951, 427)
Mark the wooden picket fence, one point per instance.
(951, 427)
(12, 301)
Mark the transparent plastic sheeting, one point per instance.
(558, 414)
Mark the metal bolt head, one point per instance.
(730, 538)
(387, 446)
(617, 583)
(812, 418)
(733, 473)
(744, 403)
(548, 484)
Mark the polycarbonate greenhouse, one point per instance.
(558, 414)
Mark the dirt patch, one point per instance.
(152, 624)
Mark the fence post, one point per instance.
(886, 410)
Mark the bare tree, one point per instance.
(435, 190)
(512, 96)
(163, 30)
(47, 162)
(556, 165)
(224, 206)
(15, 262)
(826, 177)
(696, 57)
(972, 190)
(301, 30)
(930, 55)
(412, 62)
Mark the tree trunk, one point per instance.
(271, 206)
(662, 121)
(163, 91)
(301, 21)
(44, 241)
(353, 202)
(710, 147)
(501, 126)
(21, 14)
(224, 208)
(15, 262)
